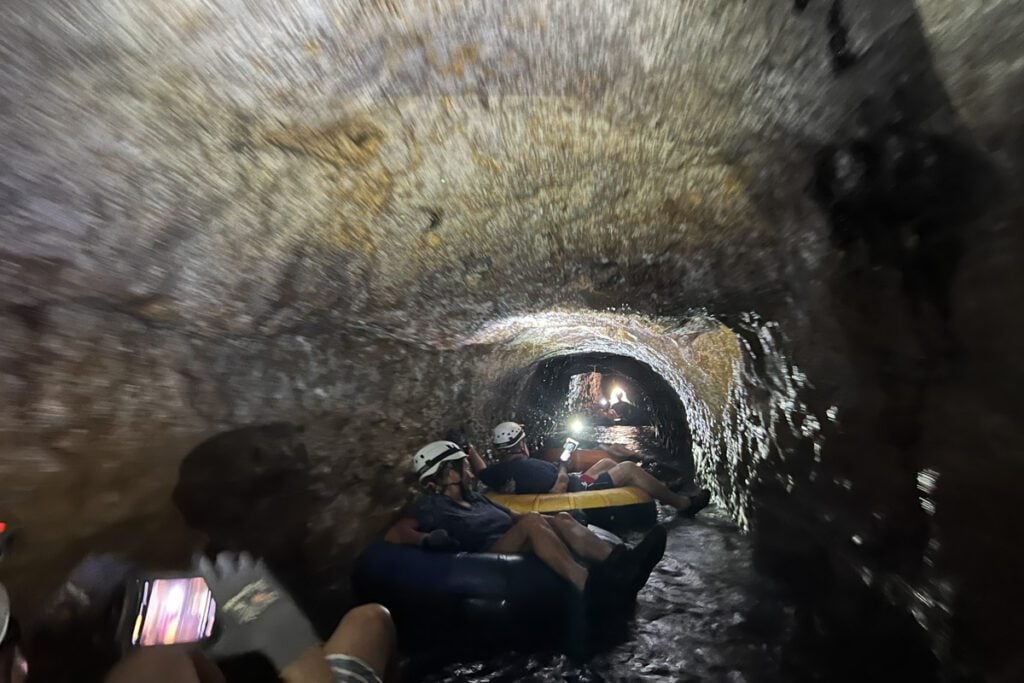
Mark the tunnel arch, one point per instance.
(543, 404)
(696, 358)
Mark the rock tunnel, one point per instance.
(801, 218)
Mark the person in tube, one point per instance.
(449, 515)
(517, 472)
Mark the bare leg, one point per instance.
(631, 474)
(533, 533)
(367, 633)
(603, 465)
(578, 537)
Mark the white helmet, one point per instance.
(507, 435)
(429, 458)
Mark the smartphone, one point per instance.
(167, 610)
(568, 447)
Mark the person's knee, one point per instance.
(533, 521)
(564, 519)
(607, 463)
(376, 616)
(627, 471)
(371, 618)
(366, 633)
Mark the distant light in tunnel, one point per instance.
(617, 395)
(575, 425)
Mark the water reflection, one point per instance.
(638, 439)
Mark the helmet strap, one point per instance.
(464, 486)
(441, 488)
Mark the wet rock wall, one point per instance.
(114, 403)
(898, 342)
(222, 213)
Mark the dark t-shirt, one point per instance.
(531, 475)
(476, 527)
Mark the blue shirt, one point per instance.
(530, 474)
(475, 527)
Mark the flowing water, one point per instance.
(634, 438)
(704, 615)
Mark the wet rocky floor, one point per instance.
(704, 615)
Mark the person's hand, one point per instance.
(91, 588)
(458, 437)
(253, 612)
(438, 539)
(570, 465)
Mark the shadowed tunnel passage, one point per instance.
(573, 395)
(381, 219)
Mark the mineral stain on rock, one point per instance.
(343, 144)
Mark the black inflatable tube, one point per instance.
(624, 517)
(413, 583)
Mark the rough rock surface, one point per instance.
(367, 217)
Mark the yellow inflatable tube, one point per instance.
(615, 509)
(581, 500)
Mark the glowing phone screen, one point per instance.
(174, 611)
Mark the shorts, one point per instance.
(349, 669)
(583, 482)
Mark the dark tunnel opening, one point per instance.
(559, 399)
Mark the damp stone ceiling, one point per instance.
(223, 213)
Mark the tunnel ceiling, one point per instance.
(244, 166)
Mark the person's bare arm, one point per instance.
(476, 463)
(405, 532)
(561, 482)
(311, 667)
